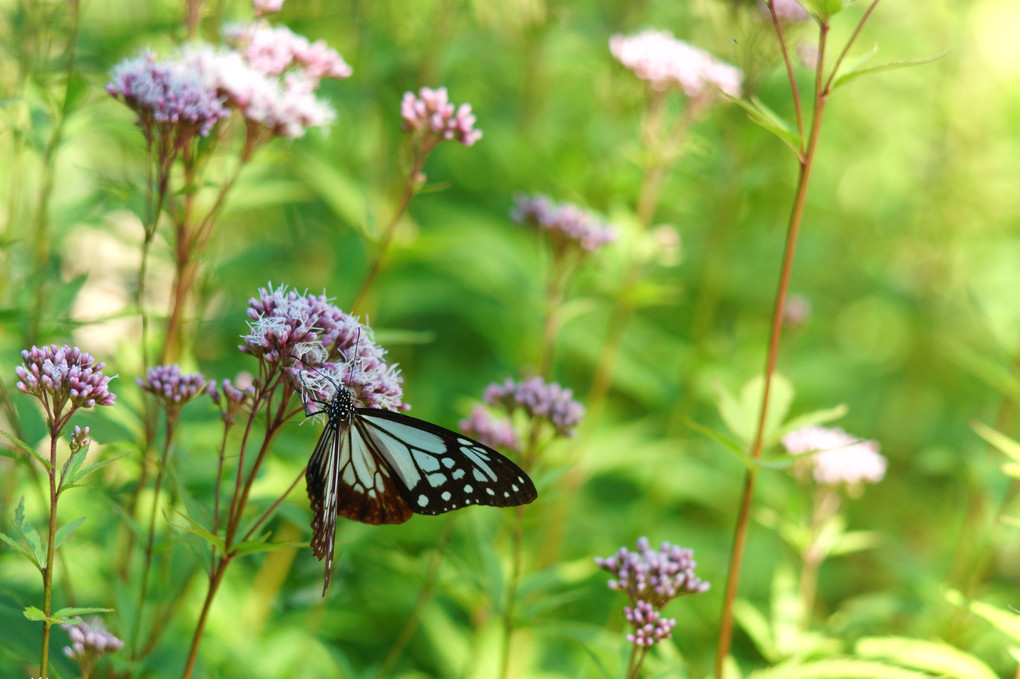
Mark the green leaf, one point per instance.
(70, 468)
(260, 545)
(93, 468)
(757, 627)
(771, 122)
(837, 669)
(28, 532)
(27, 448)
(997, 439)
(71, 612)
(728, 443)
(34, 614)
(1006, 621)
(64, 531)
(855, 541)
(21, 550)
(808, 419)
(742, 416)
(62, 616)
(888, 66)
(198, 529)
(823, 9)
(937, 657)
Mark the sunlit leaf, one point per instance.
(21, 550)
(933, 656)
(64, 531)
(888, 66)
(771, 121)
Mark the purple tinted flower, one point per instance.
(80, 440)
(839, 458)
(89, 642)
(495, 432)
(653, 576)
(320, 347)
(170, 100)
(665, 62)
(167, 383)
(549, 402)
(230, 400)
(568, 226)
(431, 117)
(61, 375)
(649, 625)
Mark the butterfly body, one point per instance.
(379, 467)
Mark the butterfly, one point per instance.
(378, 466)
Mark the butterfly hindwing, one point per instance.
(439, 470)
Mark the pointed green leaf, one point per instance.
(733, 415)
(808, 419)
(64, 531)
(70, 469)
(771, 121)
(65, 613)
(1006, 621)
(253, 546)
(937, 657)
(27, 448)
(725, 440)
(28, 532)
(824, 9)
(198, 529)
(21, 550)
(34, 614)
(757, 627)
(94, 467)
(998, 439)
(888, 66)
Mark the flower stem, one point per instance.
(214, 584)
(410, 189)
(793, 228)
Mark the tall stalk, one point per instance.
(806, 156)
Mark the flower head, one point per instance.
(80, 440)
(320, 347)
(277, 104)
(168, 384)
(838, 458)
(61, 375)
(653, 576)
(431, 118)
(229, 399)
(649, 625)
(495, 432)
(89, 642)
(568, 226)
(274, 51)
(172, 102)
(665, 62)
(539, 400)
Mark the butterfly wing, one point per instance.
(344, 478)
(439, 470)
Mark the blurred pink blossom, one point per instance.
(839, 458)
(665, 62)
(431, 115)
(264, 7)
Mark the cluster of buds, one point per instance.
(569, 227)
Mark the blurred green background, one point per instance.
(909, 257)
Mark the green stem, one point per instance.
(214, 584)
(410, 189)
(50, 549)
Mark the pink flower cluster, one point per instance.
(274, 51)
(540, 400)
(786, 10)
(431, 116)
(90, 641)
(839, 458)
(665, 62)
(270, 77)
(169, 384)
(495, 432)
(56, 375)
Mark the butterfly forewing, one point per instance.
(440, 470)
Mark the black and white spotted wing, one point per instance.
(378, 466)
